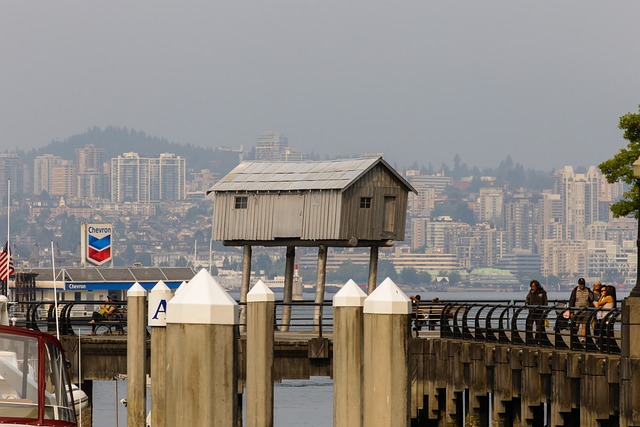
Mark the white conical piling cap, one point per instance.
(349, 296)
(181, 287)
(260, 293)
(136, 291)
(157, 304)
(387, 299)
(202, 301)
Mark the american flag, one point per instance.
(3, 263)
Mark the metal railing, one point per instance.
(500, 321)
(587, 329)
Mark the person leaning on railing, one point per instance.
(607, 300)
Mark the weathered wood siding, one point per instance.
(306, 215)
(322, 215)
(367, 224)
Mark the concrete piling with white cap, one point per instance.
(136, 355)
(159, 296)
(259, 370)
(348, 336)
(386, 383)
(202, 355)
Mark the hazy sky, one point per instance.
(543, 81)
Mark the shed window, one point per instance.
(365, 202)
(241, 202)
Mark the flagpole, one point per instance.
(8, 231)
(55, 290)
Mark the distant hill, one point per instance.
(116, 141)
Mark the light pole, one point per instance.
(635, 292)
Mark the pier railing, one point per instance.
(586, 329)
(501, 321)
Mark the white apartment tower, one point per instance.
(42, 172)
(271, 146)
(580, 195)
(489, 206)
(146, 180)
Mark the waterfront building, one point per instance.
(564, 258)
(146, 180)
(520, 262)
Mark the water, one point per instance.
(303, 403)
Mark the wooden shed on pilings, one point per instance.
(339, 203)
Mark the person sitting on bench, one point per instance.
(106, 310)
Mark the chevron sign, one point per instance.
(99, 243)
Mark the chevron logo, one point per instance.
(98, 239)
(99, 243)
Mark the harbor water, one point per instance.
(304, 403)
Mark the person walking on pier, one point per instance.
(581, 297)
(536, 298)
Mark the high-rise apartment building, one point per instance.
(42, 172)
(580, 194)
(11, 168)
(270, 146)
(518, 223)
(89, 159)
(145, 180)
(489, 205)
(64, 179)
(93, 186)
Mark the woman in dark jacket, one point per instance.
(536, 297)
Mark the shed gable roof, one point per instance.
(293, 176)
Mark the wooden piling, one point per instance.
(386, 357)
(136, 356)
(159, 296)
(348, 337)
(259, 370)
(202, 355)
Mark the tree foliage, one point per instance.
(620, 166)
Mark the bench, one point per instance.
(117, 322)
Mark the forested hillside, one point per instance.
(116, 141)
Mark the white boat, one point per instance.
(35, 388)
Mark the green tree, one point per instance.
(409, 276)
(620, 166)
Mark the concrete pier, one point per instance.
(259, 370)
(348, 342)
(386, 357)
(202, 359)
(136, 351)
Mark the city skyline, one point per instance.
(543, 82)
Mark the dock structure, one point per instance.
(339, 203)
(479, 365)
